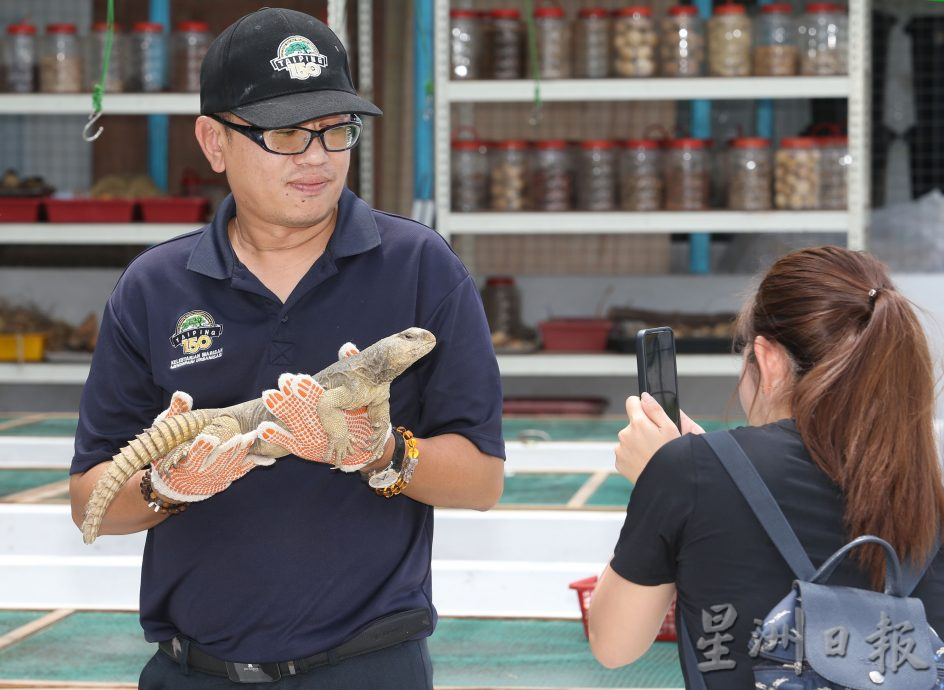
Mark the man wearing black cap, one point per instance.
(294, 573)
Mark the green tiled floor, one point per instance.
(529, 488)
(110, 648)
(46, 427)
(11, 620)
(614, 491)
(14, 481)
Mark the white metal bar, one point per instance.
(337, 20)
(442, 128)
(858, 127)
(91, 233)
(115, 104)
(658, 221)
(659, 89)
(365, 87)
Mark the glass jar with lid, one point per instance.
(60, 65)
(729, 41)
(749, 175)
(506, 43)
(552, 176)
(687, 175)
(465, 44)
(823, 35)
(592, 43)
(148, 57)
(190, 42)
(682, 43)
(20, 58)
(95, 54)
(469, 189)
(640, 175)
(834, 171)
(508, 184)
(775, 51)
(502, 303)
(634, 42)
(797, 174)
(552, 32)
(596, 175)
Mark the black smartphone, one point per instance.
(655, 364)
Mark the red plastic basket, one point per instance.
(584, 589)
(181, 209)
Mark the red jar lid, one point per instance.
(634, 10)
(777, 8)
(21, 29)
(593, 12)
(648, 144)
(467, 144)
(463, 14)
(512, 144)
(103, 26)
(505, 13)
(555, 12)
(60, 28)
(148, 27)
(687, 143)
(551, 144)
(750, 143)
(798, 143)
(500, 280)
(193, 27)
(588, 144)
(823, 7)
(730, 8)
(683, 11)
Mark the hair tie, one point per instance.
(873, 293)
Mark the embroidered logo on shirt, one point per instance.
(194, 335)
(299, 57)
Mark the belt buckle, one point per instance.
(252, 673)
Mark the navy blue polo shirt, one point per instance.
(294, 558)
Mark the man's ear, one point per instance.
(210, 137)
(773, 362)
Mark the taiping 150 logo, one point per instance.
(195, 332)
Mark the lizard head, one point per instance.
(391, 356)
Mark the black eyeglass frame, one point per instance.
(257, 134)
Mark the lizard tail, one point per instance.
(150, 445)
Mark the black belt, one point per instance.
(381, 633)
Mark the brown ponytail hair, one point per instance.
(863, 395)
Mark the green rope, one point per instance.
(533, 53)
(98, 91)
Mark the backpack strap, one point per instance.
(695, 680)
(749, 482)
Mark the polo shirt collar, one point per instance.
(355, 233)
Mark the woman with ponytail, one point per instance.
(838, 387)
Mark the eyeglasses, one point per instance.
(290, 141)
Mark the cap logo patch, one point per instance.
(299, 57)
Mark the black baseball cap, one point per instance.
(277, 68)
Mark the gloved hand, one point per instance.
(210, 464)
(317, 429)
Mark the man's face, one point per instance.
(295, 191)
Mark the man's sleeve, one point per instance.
(661, 502)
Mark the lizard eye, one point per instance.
(408, 336)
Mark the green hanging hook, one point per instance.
(98, 92)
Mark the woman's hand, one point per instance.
(648, 430)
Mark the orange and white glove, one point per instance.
(209, 466)
(325, 433)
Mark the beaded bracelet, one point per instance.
(155, 502)
(409, 465)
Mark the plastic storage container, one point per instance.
(115, 79)
(552, 176)
(749, 175)
(823, 33)
(89, 210)
(509, 176)
(834, 171)
(729, 42)
(596, 175)
(797, 174)
(552, 32)
(506, 41)
(148, 57)
(469, 175)
(634, 42)
(640, 175)
(775, 49)
(465, 44)
(181, 209)
(60, 63)
(502, 304)
(190, 42)
(20, 59)
(575, 335)
(592, 43)
(687, 175)
(682, 43)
